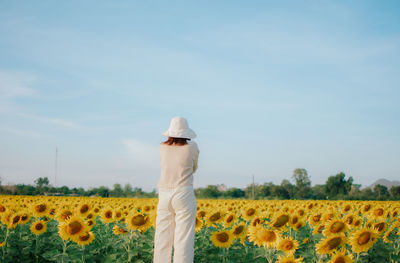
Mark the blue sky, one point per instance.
(268, 86)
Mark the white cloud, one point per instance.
(14, 84)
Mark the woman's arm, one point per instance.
(195, 159)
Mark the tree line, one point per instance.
(336, 187)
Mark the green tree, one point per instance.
(234, 193)
(337, 186)
(288, 188)
(395, 192)
(303, 184)
(41, 182)
(128, 190)
(117, 191)
(381, 191)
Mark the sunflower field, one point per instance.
(84, 229)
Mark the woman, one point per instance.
(176, 210)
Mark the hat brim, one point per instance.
(187, 133)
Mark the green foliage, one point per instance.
(337, 186)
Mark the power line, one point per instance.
(55, 169)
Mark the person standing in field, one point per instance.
(177, 206)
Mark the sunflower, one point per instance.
(222, 238)
(339, 256)
(330, 244)
(213, 218)
(334, 226)
(294, 220)
(14, 220)
(256, 220)
(380, 227)
(262, 236)
(363, 239)
(38, 227)
(90, 223)
(288, 245)
(138, 221)
(289, 259)
(239, 230)
(72, 228)
(229, 219)
(118, 215)
(199, 224)
(64, 214)
(119, 230)
(280, 220)
(83, 209)
(314, 219)
(248, 213)
(107, 215)
(25, 217)
(85, 239)
(40, 209)
(299, 225)
(201, 213)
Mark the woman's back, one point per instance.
(178, 163)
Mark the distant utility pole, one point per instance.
(55, 169)
(253, 188)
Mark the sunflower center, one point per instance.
(316, 218)
(380, 226)
(238, 230)
(379, 212)
(364, 238)
(266, 235)
(229, 219)
(250, 212)
(16, 219)
(294, 220)
(349, 220)
(288, 245)
(2, 209)
(256, 221)
(108, 214)
(138, 220)
(367, 207)
(84, 237)
(222, 237)
(39, 226)
(215, 216)
(24, 218)
(84, 209)
(74, 227)
(281, 221)
(347, 208)
(40, 208)
(202, 214)
(334, 242)
(340, 259)
(337, 227)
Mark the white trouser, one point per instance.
(175, 225)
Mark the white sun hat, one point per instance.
(179, 128)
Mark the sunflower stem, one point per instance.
(83, 254)
(64, 254)
(36, 249)
(5, 243)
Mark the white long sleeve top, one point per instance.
(178, 164)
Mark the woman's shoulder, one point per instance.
(193, 144)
